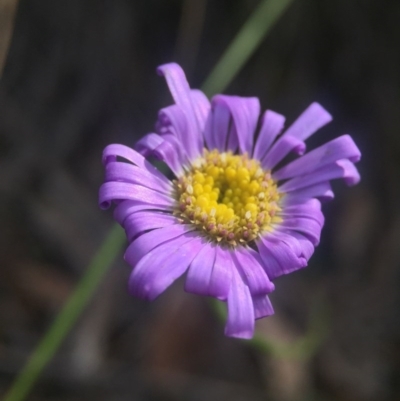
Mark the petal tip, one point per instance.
(243, 335)
(165, 68)
(324, 115)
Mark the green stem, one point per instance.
(304, 347)
(244, 44)
(63, 323)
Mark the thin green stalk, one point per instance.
(63, 323)
(247, 40)
(244, 44)
(303, 347)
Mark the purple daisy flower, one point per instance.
(231, 218)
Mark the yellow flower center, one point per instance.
(228, 197)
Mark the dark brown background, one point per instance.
(81, 74)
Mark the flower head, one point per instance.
(231, 218)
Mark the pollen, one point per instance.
(228, 197)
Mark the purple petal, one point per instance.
(158, 269)
(119, 191)
(262, 306)
(310, 209)
(251, 109)
(309, 227)
(271, 125)
(310, 121)
(245, 260)
(313, 118)
(129, 173)
(182, 157)
(126, 208)
(307, 248)
(172, 120)
(172, 126)
(240, 321)
(148, 241)
(232, 142)
(200, 270)
(148, 143)
(279, 258)
(303, 209)
(323, 191)
(180, 92)
(111, 152)
(340, 169)
(289, 240)
(281, 148)
(244, 113)
(157, 146)
(218, 126)
(139, 222)
(201, 106)
(269, 262)
(221, 274)
(339, 148)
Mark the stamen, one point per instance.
(229, 197)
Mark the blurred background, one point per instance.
(80, 74)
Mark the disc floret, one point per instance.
(228, 197)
